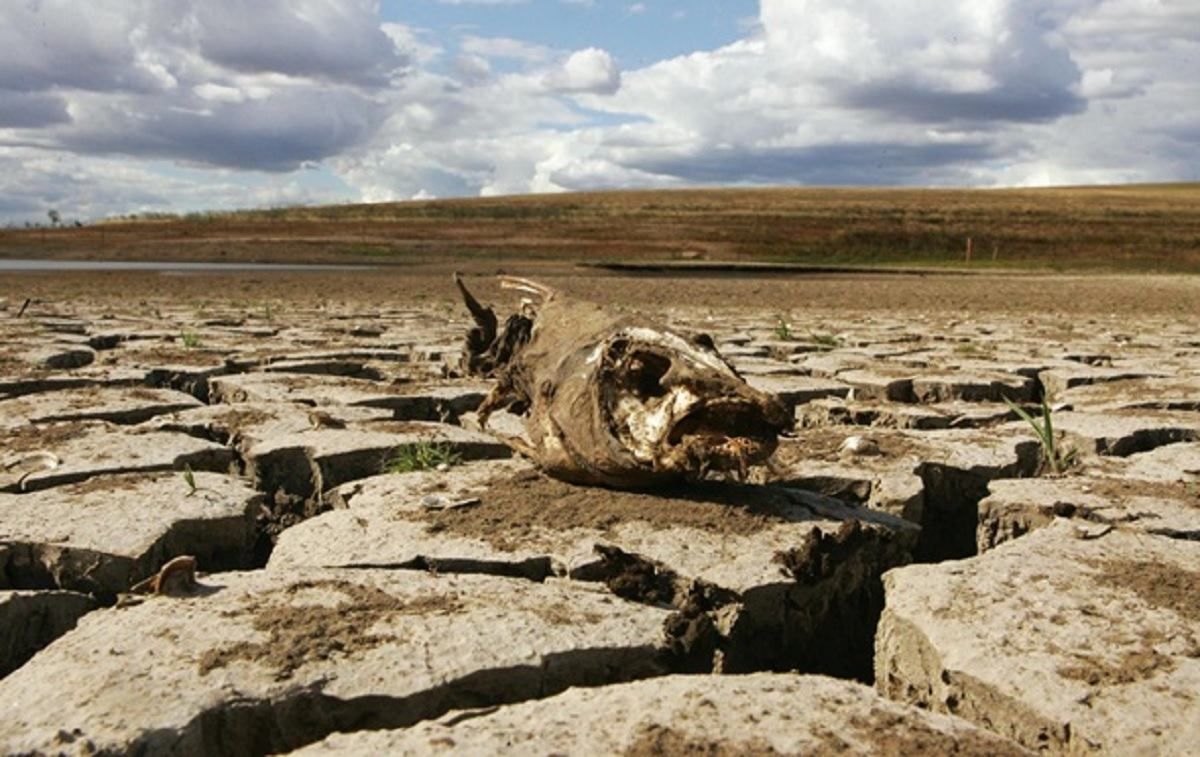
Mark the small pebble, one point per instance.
(859, 445)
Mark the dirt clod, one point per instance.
(823, 552)
(636, 578)
(692, 638)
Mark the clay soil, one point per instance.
(300, 633)
(1160, 586)
(885, 733)
(33, 438)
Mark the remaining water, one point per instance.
(33, 264)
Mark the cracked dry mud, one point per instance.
(973, 604)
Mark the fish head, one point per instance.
(679, 408)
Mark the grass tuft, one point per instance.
(190, 340)
(422, 456)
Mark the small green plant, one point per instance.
(189, 478)
(1056, 458)
(824, 341)
(783, 331)
(267, 316)
(190, 339)
(422, 456)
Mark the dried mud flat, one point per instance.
(925, 589)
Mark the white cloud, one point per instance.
(267, 84)
(586, 71)
(416, 42)
(331, 41)
(219, 93)
(84, 187)
(505, 47)
(1010, 92)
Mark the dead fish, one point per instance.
(616, 400)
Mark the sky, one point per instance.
(112, 107)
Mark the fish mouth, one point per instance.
(724, 434)
(710, 422)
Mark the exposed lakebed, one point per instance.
(345, 608)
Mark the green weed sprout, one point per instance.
(783, 332)
(189, 478)
(1056, 458)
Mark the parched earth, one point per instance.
(909, 576)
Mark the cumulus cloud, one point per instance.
(82, 187)
(993, 92)
(45, 44)
(263, 85)
(866, 91)
(323, 39)
(26, 110)
(986, 61)
(278, 132)
(591, 70)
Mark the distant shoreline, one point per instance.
(1122, 229)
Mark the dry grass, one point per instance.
(1144, 227)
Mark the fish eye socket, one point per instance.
(644, 374)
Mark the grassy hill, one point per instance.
(1137, 227)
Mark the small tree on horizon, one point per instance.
(54, 216)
